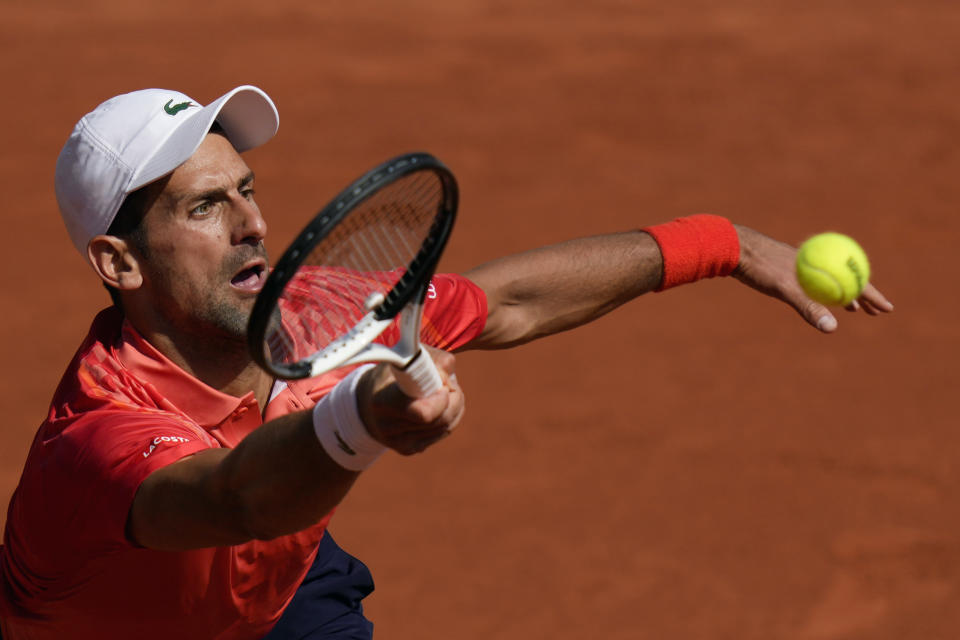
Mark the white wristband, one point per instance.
(337, 423)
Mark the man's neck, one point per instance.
(220, 362)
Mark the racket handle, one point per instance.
(420, 377)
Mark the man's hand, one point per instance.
(410, 425)
(769, 266)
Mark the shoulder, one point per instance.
(102, 412)
(96, 378)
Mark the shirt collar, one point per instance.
(205, 405)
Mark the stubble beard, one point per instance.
(225, 321)
(230, 318)
(219, 323)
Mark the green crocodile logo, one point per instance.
(174, 109)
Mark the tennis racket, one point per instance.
(351, 286)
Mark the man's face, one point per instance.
(205, 261)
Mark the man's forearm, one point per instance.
(548, 290)
(292, 471)
(559, 287)
(277, 480)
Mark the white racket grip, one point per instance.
(420, 377)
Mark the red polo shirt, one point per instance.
(123, 410)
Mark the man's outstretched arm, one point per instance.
(280, 478)
(559, 287)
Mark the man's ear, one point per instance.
(115, 262)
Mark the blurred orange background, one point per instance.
(699, 464)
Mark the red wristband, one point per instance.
(696, 247)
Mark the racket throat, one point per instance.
(409, 343)
(419, 376)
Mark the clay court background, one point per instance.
(700, 464)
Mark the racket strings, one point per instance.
(385, 231)
(361, 260)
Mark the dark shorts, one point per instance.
(327, 604)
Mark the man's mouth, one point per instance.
(251, 277)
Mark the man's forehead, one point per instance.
(215, 165)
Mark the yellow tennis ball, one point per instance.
(832, 268)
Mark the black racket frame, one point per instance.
(417, 274)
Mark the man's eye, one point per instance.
(248, 193)
(202, 209)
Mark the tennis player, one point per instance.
(174, 489)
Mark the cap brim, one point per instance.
(247, 115)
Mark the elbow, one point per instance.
(509, 326)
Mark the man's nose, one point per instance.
(249, 227)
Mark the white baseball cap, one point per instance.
(133, 139)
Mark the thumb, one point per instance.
(817, 315)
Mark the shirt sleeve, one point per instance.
(97, 463)
(454, 313)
